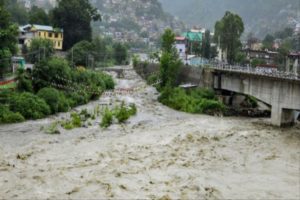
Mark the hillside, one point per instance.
(260, 16)
(138, 21)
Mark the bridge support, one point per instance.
(283, 117)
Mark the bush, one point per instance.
(194, 101)
(107, 118)
(24, 84)
(29, 105)
(6, 116)
(64, 103)
(54, 70)
(52, 98)
(122, 113)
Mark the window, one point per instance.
(56, 35)
(58, 44)
(50, 35)
(40, 34)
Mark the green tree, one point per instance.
(40, 49)
(207, 45)
(75, 17)
(38, 16)
(268, 42)
(79, 53)
(8, 38)
(53, 70)
(120, 53)
(228, 31)
(283, 52)
(168, 40)
(169, 61)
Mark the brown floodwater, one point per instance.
(159, 153)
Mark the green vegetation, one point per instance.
(194, 101)
(228, 32)
(107, 118)
(122, 114)
(7, 116)
(29, 105)
(8, 38)
(101, 52)
(169, 61)
(40, 49)
(74, 15)
(52, 87)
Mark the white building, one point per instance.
(180, 44)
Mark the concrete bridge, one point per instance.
(279, 89)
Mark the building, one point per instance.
(293, 63)
(29, 32)
(194, 40)
(267, 56)
(181, 44)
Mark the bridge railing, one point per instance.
(256, 71)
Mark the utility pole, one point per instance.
(44, 48)
(72, 53)
(39, 54)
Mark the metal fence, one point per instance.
(256, 71)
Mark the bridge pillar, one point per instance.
(283, 117)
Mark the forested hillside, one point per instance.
(260, 16)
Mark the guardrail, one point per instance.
(258, 71)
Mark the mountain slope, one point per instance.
(260, 16)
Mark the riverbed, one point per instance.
(158, 154)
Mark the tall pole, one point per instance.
(72, 50)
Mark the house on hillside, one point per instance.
(29, 32)
(194, 40)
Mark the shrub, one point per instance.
(211, 107)
(52, 98)
(54, 70)
(64, 103)
(24, 84)
(133, 109)
(76, 120)
(122, 113)
(29, 105)
(52, 129)
(195, 101)
(6, 116)
(107, 118)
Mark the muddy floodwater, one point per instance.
(158, 154)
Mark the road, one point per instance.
(160, 153)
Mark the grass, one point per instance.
(12, 85)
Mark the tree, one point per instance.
(120, 53)
(8, 38)
(38, 16)
(206, 45)
(40, 49)
(78, 55)
(168, 39)
(75, 17)
(169, 61)
(268, 42)
(228, 32)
